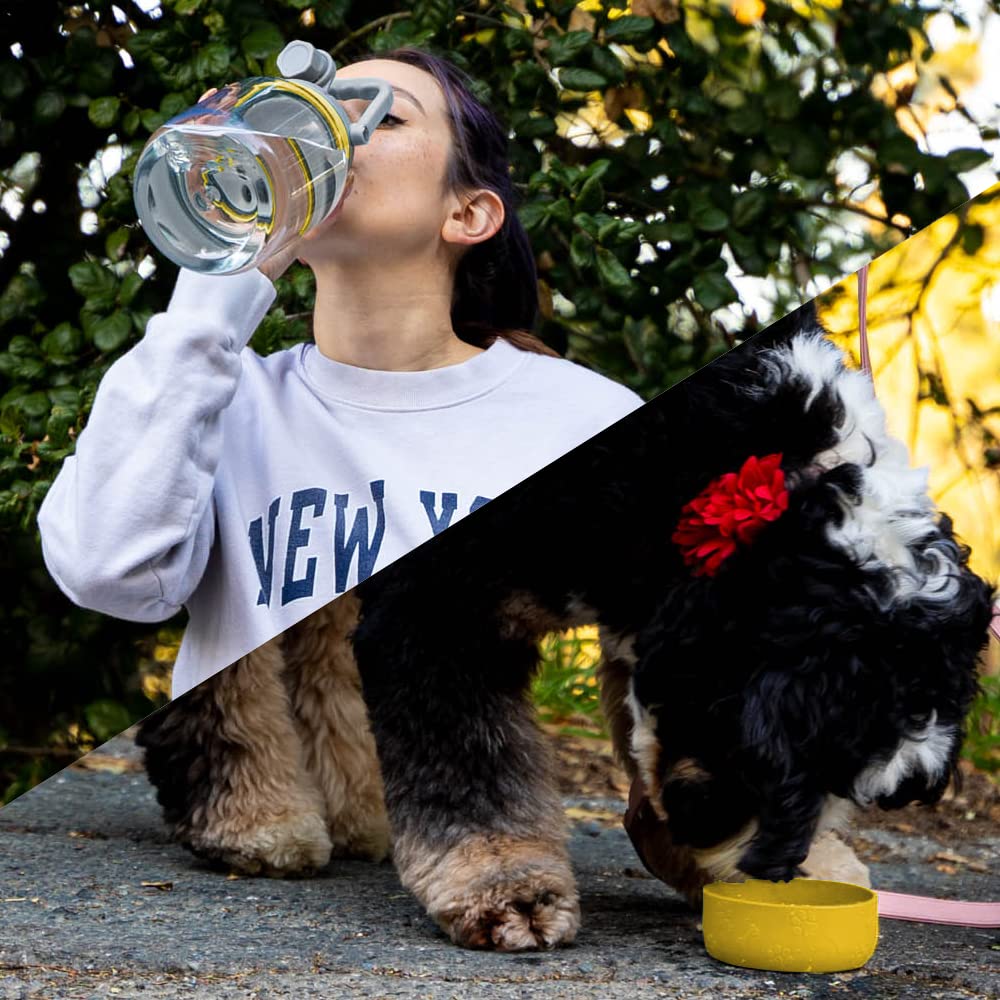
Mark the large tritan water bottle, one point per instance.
(227, 184)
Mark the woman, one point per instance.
(255, 490)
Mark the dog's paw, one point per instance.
(830, 858)
(758, 863)
(292, 845)
(499, 893)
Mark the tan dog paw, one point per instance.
(498, 893)
(294, 844)
(830, 858)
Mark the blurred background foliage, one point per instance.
(688, 170)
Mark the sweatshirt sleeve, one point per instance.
(127, 524)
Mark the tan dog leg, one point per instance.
(262, 813)
(332, 720)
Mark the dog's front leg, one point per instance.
(478, 828)
(229, 771)
(787, 819)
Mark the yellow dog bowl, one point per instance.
(805, 925)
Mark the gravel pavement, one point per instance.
(96, 902)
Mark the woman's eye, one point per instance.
(390, 120)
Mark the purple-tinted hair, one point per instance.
(496, 283)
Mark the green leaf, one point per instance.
(13, 80)
(607, 64)
(564, 49)
(518, 40)
(174, 104)
(528, 126)
(131, 284)
(608, 231)
(151, 120)
(22, 346)
(117, 240)
(64, 339)
(34, 405)
(49, 105)
(782, 101)
(106, 718)
(713, 290)
(561, 211)
(708, 217)
(528, 77)
(574, 78)
(809, 155)
(629, 29)
(19, 298)
(131, 122)
(747, 120)
(591, 196)
(102, 111)
(672, 232)
(612, 272)
(187, 7)
(598, 168)
(262, 41)
(95, 283)
(112, 331)
(533, 215)
(211, 62)
(66, 396)
(746, 252)
(748, 207)
(581, 251)
(961, 160)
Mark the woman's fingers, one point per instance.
(208, 93)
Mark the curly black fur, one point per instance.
(784, 676)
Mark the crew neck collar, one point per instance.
(412, 390)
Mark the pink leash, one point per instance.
(901, 905)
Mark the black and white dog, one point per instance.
(788, 625)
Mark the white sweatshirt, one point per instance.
(255, 490)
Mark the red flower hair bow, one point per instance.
(730, 511)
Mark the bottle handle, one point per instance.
(379, 94)
(302, 60)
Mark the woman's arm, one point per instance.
(128, 523)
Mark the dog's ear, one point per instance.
(788, 713)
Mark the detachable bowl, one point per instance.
(806, 925)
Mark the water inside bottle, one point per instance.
(214, 195)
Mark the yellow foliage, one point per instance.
(934, 336)
(748, 11)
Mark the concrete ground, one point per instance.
(95, 902)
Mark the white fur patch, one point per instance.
(645, 748)
(927, 752)
(895, 514)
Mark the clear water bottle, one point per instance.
(230, 182)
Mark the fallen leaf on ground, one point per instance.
(601, 815)
(163, 886)
(111, 765)
(951, 857)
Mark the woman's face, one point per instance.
(399, 201)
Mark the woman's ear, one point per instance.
(473, 218)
